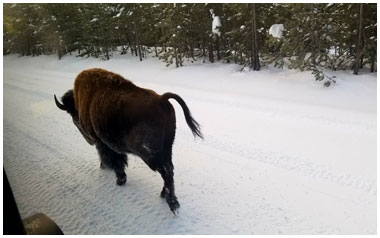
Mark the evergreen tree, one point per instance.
(306, 36)
(316, 36)
(175, 33)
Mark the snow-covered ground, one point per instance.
(282, 154)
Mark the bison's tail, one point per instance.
(193, 124)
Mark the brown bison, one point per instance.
(119, 117)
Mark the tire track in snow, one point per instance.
(288, 162)
(284, 161)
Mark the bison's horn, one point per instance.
(59, 105)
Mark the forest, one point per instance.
(312, 36)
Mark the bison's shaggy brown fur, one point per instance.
(119, 117)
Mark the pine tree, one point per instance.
(303, 37)
(175, 33)
(316, 36)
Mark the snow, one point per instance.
(282, 154)
(276, 30)
(119, 13)
(216, 23)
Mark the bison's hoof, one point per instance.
(121, 181)
(174, 205)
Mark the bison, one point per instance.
(119, 117)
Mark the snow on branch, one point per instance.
(276, 30)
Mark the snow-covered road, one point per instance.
(281, 155)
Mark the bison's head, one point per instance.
(67, 104)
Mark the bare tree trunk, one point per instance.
(217, 47)
(142, 48)
(313, 38)
(129, 43)
(211, 51)
(373, 65)
(138, 47)
(235, 56)
(227, 52)
(192, 50)
(359, 40)
(105, 43)
(361, 62)
(175, 56)
(203, 48)
(180, 56)
(140, 54)
(255, 63)
(155, 49)
(163, 32)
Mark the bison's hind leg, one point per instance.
(162, 163)
(167, 192)
(113, 160)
